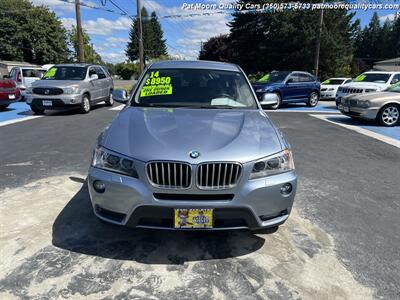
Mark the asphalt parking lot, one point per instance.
(341, 241)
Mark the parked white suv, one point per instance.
(373, 81)
(330, 87)
(25, 76)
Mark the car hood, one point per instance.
(379, 96)
(7, 84)
(327, 86)
(366, 85)
(170, 134)
(55, 83)
(264, 85)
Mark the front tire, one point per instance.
(37, 111)
(313, 100)
(110, 100)
(276, 106)
(389, 115)
(85, 105)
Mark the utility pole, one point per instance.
(140, 35)
(81, 55)
(318, 43)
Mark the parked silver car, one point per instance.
(383, 107)
(192, 149)
(71, 86)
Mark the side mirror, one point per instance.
(120, 96)
(269, 99)
(94, 77)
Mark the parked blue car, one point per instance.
(290, 87)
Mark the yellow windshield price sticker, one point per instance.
(50, 73)
(156, 85)
(360, 78)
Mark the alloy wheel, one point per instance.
(390, 115)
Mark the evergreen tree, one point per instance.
(157, 37)
(153, 41)
(372, 38)
(31, 33)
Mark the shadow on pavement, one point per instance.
(77, 229)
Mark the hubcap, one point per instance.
(313, 99)
(86, 104)
(390, 115)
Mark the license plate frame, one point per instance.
(193, 218)
(47, 103)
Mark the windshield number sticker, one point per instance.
(156, 85)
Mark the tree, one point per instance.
(91, 56)
(31, 33)
(126, 70)
(286, 40)
(153, 41)
(216, 48)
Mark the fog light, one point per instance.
(286, 189)
(99, 186)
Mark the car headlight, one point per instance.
(275, 164)
(71, 90)
(29, 90)
(370, 90)
(263, 90)
(110, 161)
(364, 103)
(340, 89)
(331, 89)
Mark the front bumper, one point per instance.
(5, 98)
(326, 95)
(133, 202)
(358, 112)
(53, 102)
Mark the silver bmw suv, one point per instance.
(192, 149)
(71, 86)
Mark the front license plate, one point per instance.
(11, 96)
(193, 218)
(346, 109)
(47, 103)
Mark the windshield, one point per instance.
(373, 77)
(33, 73)
(333, 82)
(65, 73)
(274, 77)
(394, 88)
(196, 88)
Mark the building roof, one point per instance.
(16, 63)
(194, 64)
(389, 61)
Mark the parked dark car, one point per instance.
(9, 93)
(290, 87)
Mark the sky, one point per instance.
(109, 31)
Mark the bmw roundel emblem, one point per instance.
(194, 154)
